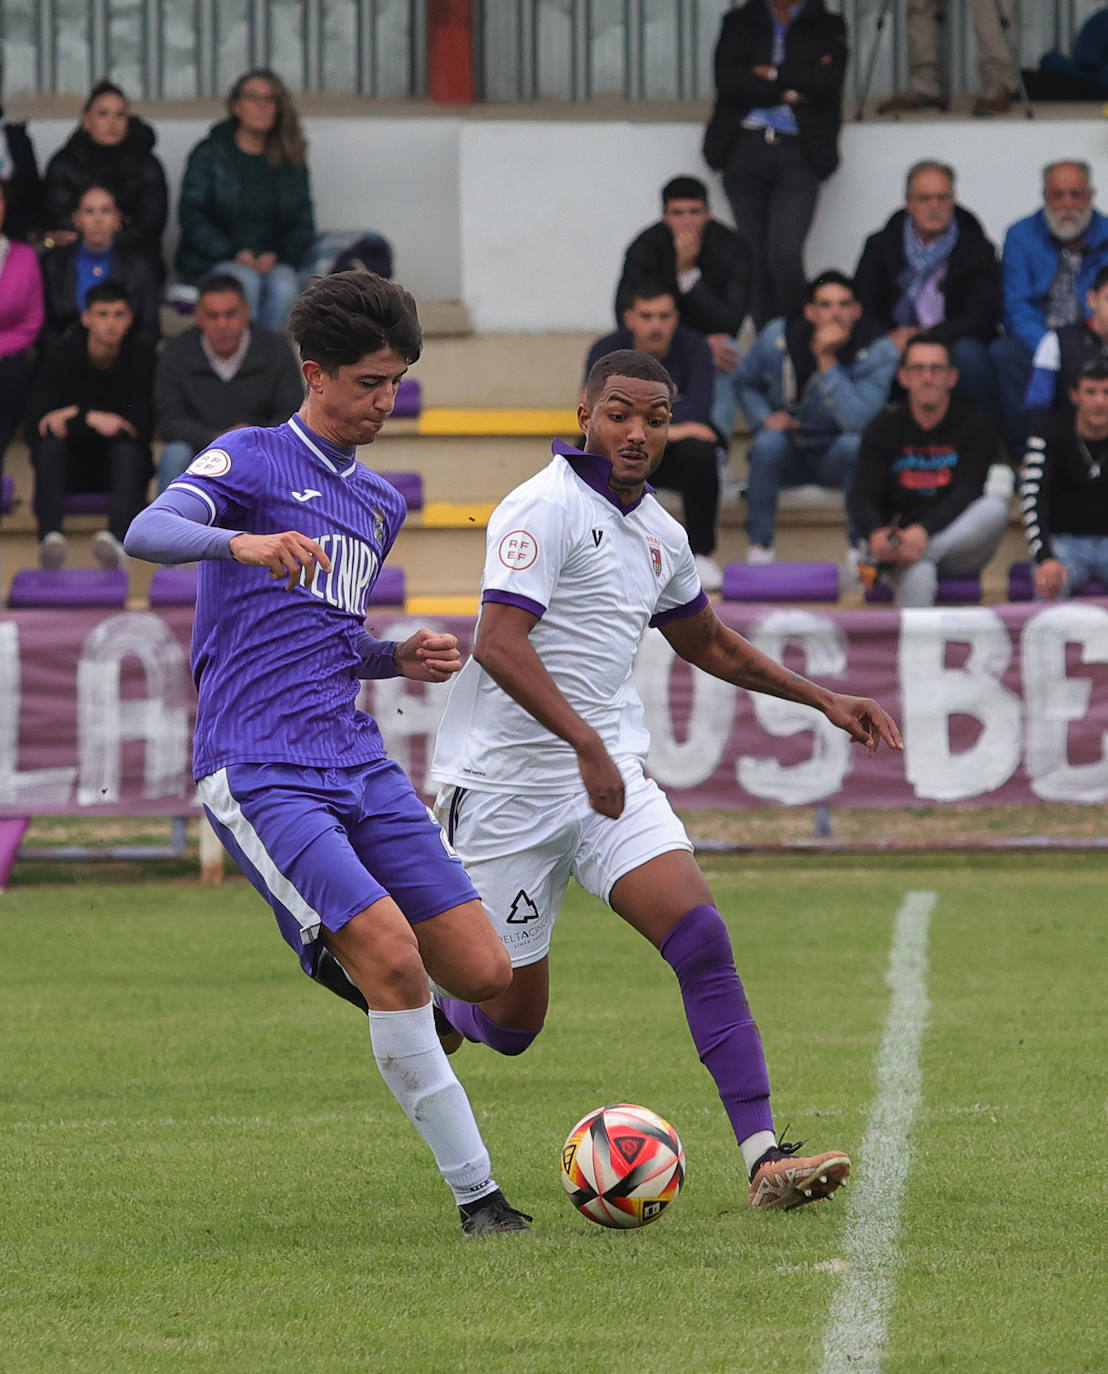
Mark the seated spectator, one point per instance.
(703, 263)
(90, 420)
(1062, 353)
(1049, 263)
(71, 271)
(690, 464)
(246, 206)
(1064, 490)
(114, 148)
(808, 388)
(1084, 76)
(19, 173)
(220, 375)
(932, 268)
(923, 496)
(21, 317)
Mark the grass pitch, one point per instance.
(201, 1170)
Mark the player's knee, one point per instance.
(698, 943)
(489, 976)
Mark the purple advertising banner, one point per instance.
(996, 704)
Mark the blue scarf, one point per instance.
(922, 262)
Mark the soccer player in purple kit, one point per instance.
(291, 531)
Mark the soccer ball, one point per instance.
(622, 1166)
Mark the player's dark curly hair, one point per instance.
(341, 318)
(626, 362)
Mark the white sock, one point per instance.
(413, 1064)
(755, 1146)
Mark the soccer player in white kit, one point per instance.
(541, 750)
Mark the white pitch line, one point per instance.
(854, 1337)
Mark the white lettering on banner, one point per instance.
(105, 720)
(405, 716)
(932, 693)
(712, 704)
(1054, 700)
(37, 786)
(823, 644)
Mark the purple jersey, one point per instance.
(276, 670)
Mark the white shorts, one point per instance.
(520, 852)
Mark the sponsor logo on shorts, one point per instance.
(214, 462)
(518, 550)
(523, 910)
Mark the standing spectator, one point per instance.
(1062, 354)
(774, 134)
(932, 268)
(246, 205)
(1064, 490)
(690, 462)
(90, 421)
(21, 317)
(923, 496)
(19, 173)
(705, 265)
(808, 388)
(96, 256)
(221, 375)
(996, 71)
(114, 148)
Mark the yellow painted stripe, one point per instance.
(457, 514)
(508, 420)
(442, 605)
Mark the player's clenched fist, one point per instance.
(290, 555)
(429, 657)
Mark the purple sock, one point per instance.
(472, 1022)
(698, 949)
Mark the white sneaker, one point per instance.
(854, 555)
(52, 550)
(107, 550)
(711, 574)
(757, 553)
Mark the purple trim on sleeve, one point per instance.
(690, 608)
(175, 529)
(511, 599)
(377, 657)
(594, 471)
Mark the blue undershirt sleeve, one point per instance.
(175, 529)
(377, 656)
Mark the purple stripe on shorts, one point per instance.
(524, 603)
(679, 612)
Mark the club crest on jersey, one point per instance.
(213, 462)
(655, 547)
(378, 519)
(518, 550)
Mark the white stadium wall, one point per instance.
(525, 220)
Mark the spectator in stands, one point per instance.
(808, 388)
(932, 268)
(114, 148)
(1049, 263)
(690, 463)
(96, 256)
(996, 70)
(21, 317)
(774, 134)
(246, 205)
(220, 375)
(705, 264)
(90, 421)
(1062, 353)
(1064, 489)
(923, 495)
(19, 174)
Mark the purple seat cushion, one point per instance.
(409, 399)
(1019, 582)
(7, 494)
(388, 590)
(174, 586)
(87, 503)
(409, 485)
(780, 582)
(953, 591)
(68, 587)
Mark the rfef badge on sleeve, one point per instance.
(518, 550)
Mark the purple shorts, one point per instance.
(322, 844)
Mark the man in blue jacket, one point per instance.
(808, 388)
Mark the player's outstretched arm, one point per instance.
(505, 651)
(705, 642)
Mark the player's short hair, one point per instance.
(684, 188)
(645, 289)
(107, 293)
(218, 282)
(929, 164)
(925, 338)
(831, 277)
(338, 319)
(626, 362)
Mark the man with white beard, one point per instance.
(1049, 262)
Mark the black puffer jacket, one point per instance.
(130, 170)
(814, 65)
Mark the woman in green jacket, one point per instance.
(246, 205)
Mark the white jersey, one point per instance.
(597, 574)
